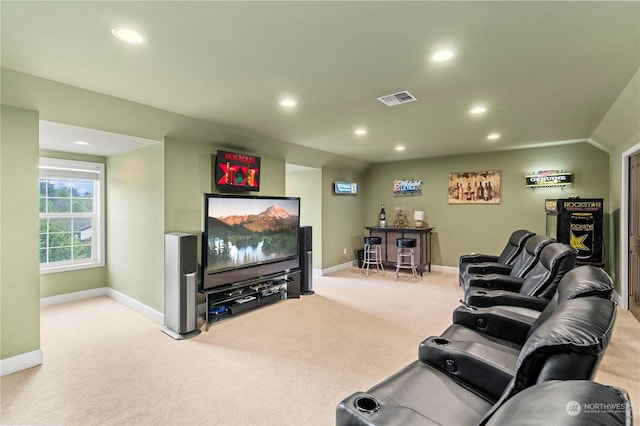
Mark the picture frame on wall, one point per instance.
(474, 187)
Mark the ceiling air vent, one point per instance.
(397, 98)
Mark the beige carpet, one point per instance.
(285, 364)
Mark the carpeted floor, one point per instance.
(285, 364)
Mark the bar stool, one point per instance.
(372, 255)
(406, 257)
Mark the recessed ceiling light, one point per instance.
(81, 143)
(360, 132)
(443, 55)
(399, 148)
(493, 136)
(478, 109)
(128, 35)
(288, 103)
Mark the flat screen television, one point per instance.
(246, 237)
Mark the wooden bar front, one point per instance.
(390, 251)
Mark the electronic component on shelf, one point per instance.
(217, 310)
(245, 299)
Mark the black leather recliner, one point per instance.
(523, 263)
(567, 346)
(541, 281)
(510, 325)
(507, 257)
(566, 403)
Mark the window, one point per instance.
(71, 215)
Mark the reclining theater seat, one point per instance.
(555, 261)
(566, 403)
(507, 257)
(511, 325)
(454, 389)
(522, 264)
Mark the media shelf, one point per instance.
(225, 301)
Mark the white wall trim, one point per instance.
(441, 268)
(137, 306)
(21, 362)
(615, 296)
(598, 145)
(128, 301)
(624, 227)
(336, 268)
(72, 297)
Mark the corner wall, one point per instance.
(19, 219)
(342, 218)
(307, 185)
(135, 225)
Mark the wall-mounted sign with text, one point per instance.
(407, 187)
(548, 180)
(348, 188)
(237, 172)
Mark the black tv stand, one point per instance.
(233, 299)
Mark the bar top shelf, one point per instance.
(393, 228)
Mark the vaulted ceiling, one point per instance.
(547, 72)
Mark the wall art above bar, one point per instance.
(474, 188)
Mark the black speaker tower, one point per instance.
(306, 267)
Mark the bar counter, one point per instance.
(390, 251)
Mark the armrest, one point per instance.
(366, 409)
(471, 363)
(477, 258)
(484, 297)
(495, 281)
(489, 268)
(495, 322)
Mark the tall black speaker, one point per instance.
(180, 275)
(306, 266)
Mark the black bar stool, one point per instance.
(372, 255)
(406, 257)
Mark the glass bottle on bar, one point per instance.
(383, 216)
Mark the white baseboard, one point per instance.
(128, 301)
(34, 358)
(336, 268)
(441, 268)
(72, 297)
(137, 306)
(21, 362)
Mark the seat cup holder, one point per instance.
(366, 404)
(440, 341)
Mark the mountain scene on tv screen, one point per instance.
(238, 240)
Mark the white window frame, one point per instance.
(73, 168)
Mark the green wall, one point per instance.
(465, 228)
(19, 258)
(188, 173)
(307, 185)
(342, 219)
(620, 128)
(135, 224)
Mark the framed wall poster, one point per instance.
(474, 188)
